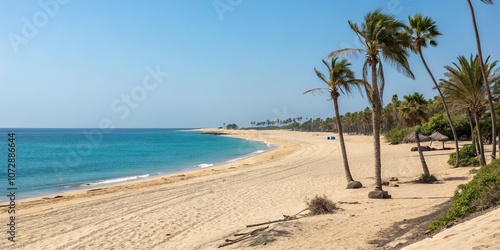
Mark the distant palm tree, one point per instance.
(465, 85)
(340, 79)
(423, 31)
(413, 109)
(382, 37)
(395, 103)
(483, 72)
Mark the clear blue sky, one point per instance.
(73, 63)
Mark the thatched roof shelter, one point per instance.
(439, 137)
(413, 137)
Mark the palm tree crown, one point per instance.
(382, 36)
(341, 78)
(464, 83)
(423, 31)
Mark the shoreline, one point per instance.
(201, 208)
(160, 179)
(84, 187)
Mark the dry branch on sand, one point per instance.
(318, 205)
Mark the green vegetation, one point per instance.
(467, 156)
(397, 135)
(482, 192)
(232, 126)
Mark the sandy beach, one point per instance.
(200, 209)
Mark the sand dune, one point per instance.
(482, 232)
(199, 210)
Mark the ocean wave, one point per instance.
(204, 165)
(122, 179)
(246, 156)
(108, 181)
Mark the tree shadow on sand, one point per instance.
(409, 230)
(269, 236)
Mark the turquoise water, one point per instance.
(50, 161)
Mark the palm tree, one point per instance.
(341, 79)
(395, 104)
(423, 31)
(382, 37)
(465, 84)
(413, 109)
(484, 74)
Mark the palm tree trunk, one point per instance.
(445, 106)
(471, 124)
(422, 159)
(342, 143)
(486, 82)
(479, 138)
(376, 126)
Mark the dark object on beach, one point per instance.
(385, 183)
(354, 185)
(426, 179)
(321, 205)
(379, 194)
(439, 137)
(58, 196)
(394, 179)
(215, 133)
(423, 148)
(394, 143)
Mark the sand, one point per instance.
(482, 232)
(200, 209)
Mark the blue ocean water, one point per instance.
(50, 161)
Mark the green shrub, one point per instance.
(482, 192)
(467, 156)
(397, 135)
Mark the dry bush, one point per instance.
(321, 205)
(490, 197)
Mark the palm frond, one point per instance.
(346, 53)
(317, 91)
(321, 76)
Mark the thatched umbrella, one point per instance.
(417, 137)
(413, 138)
(439, 137)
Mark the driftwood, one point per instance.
(244, 236)
(285, 218)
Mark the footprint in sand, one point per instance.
(481, 247)
(448, 236)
